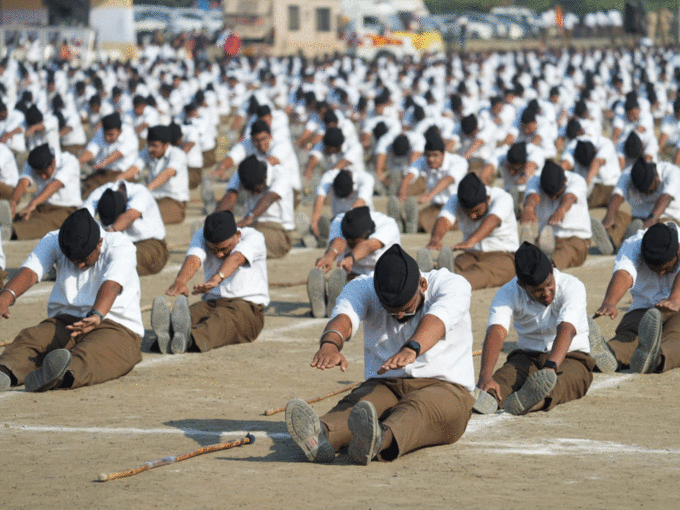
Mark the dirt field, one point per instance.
(619, 447)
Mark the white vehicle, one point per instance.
(186, 20)
(151, 19)
(214, 22)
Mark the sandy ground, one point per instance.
(618, 447)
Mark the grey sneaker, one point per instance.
(180, 320)
(5, 381)
(599, 350)
(485, 403)
(546, 241)
(645, 359)
(336, 283)
(207, 195)
(316, 290)
(5, 220)
(367, 433)
(324, 228)
(305, 429)
(635, 225)
(526, 234)
(537, 386)
(601, 237)
(51, 373)
(446, 259)
(160, 323)
(302, 223)
(410, 216)
(394, 212)
(425, 260)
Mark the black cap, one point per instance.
(469, 124)
(219, 226)
(40, 158)
(259, 126)
(573, 129)
(379, 130)
(517, 153)
(111, 205)
(528, 116)
(532, 266)
(357, 223)
(642, 175)
(112, 121)
(333, 137)
(329, 117)
(659, 244)
(252, 172)
(175, 132)
(633, 146)
(471, 191)
(401, 145)
(580, 109)
(434, 143)
(584, 152)
(343, 184)
(263, 110)
(158, 134)
(552, 178)
(33, 116)
(396, 277)
(78, 235)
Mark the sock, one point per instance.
(8, 372)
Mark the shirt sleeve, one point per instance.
(622, 185)
(365, 185)
(237, 153)
(121, 260)
(450, 296)
(197, 246)
(502, 306)
(533, 186)
(573, 307)
(671, 182)
(95, 144)
(450, 208)
(354, 301)
(387, 233)
(44, 255)
(335, 231)
(234, 183)
(326, 183)
(628, 256)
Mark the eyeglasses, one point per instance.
(403, 314)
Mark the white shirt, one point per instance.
(75, 290)
(249, 281)
(352, 153)
(670, 126)
(609, 173)
(14, 120)
(447, 298)
(191, 134)
(126, 144)
(386, 231)
(67, 172)
(281, 150)
(536, 324)
(576, 221)
(648, 287)
(150, 225)
(9, 173)
(503, 237)
(642, 204)
(453, 166)
(49, 135)
(177, 186)
(362, 183)
(499, 160)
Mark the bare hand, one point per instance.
(666, 305)
(489, 384)
(273, 160)
(434, 244)
(324, 263)
(608, 222)
(404, 357)
(424, 199)
(202, 288)
(245, 222)
(178, 288)
(465, 245)
(328, 357)
(557, 217)
(528, 216)
(608, 310)
(26, 213)
(84, 326)
(346, 263)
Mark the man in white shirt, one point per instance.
(130, 208)
(336, 154)
(94, 330)
(417, 365)
(548, 310)
(12, 129)
(394, 156)
(9, 173)
(168, 177)
(268, 202)
(650, 189)
(233, 297)
(112, 152)
(647, 338)
(57, 181)
(357, 239)
(557, 202)
(486, 217)
(442, 172)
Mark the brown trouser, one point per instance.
(209, 158)
(417, 187)
(107, 352)
(225, 321)
(76, 150)
(573, 376)
(618, 230)
(195, 176)
(5, 191)
(600, 196)
(625, 340)
(152, 255)
(570, 252)
(276, 238)
(98, 178)
(427, 217)
(486, 269)
(172, 211)
(44, 219)
(419, 412)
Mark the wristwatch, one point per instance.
(413, 345)
(95, 312)
(550, 364)
(221, 275)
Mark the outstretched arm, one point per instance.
(337, 331)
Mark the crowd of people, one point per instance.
(514, 149)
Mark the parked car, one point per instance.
(150, 19)
(186, 20)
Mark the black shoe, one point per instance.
(51, 374)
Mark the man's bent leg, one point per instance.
(43, 220)
(276, 238)
(570, 252)
(670, 341)
(225, 322)
(486, 269)
(513, 374)
(574, 377)
(625, 340)
(172, 211)
(152, 255)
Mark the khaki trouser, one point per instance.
(570, 252)
(107, 352)
(225, 321)
(172, 211)
(76, 150)
(96, 179)
(419, 412)
(417, 187)
(152, 255)
(5, 191)
(600, 196)
(625, 340)
(486, 269)
(427, 217)
(618, 230)
(276, 238)
(573, 376)
(209, 158)
(195, 176)
(44, 219)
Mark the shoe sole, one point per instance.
(160, 323)
(316, 290)
(546, 241)
(302, 223)
(5, 220)
(5, 382)
(411, 216)
(537, 386)
(365, 427)
(324, 228)
(336, 283)
(599, 350)
(485, 403)
(304, 428)
(51, 372)
(632, 229)
(425, 260)
(180, 319)
(446, 259)
(646, 356)
(601, 237)
(526, 234)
